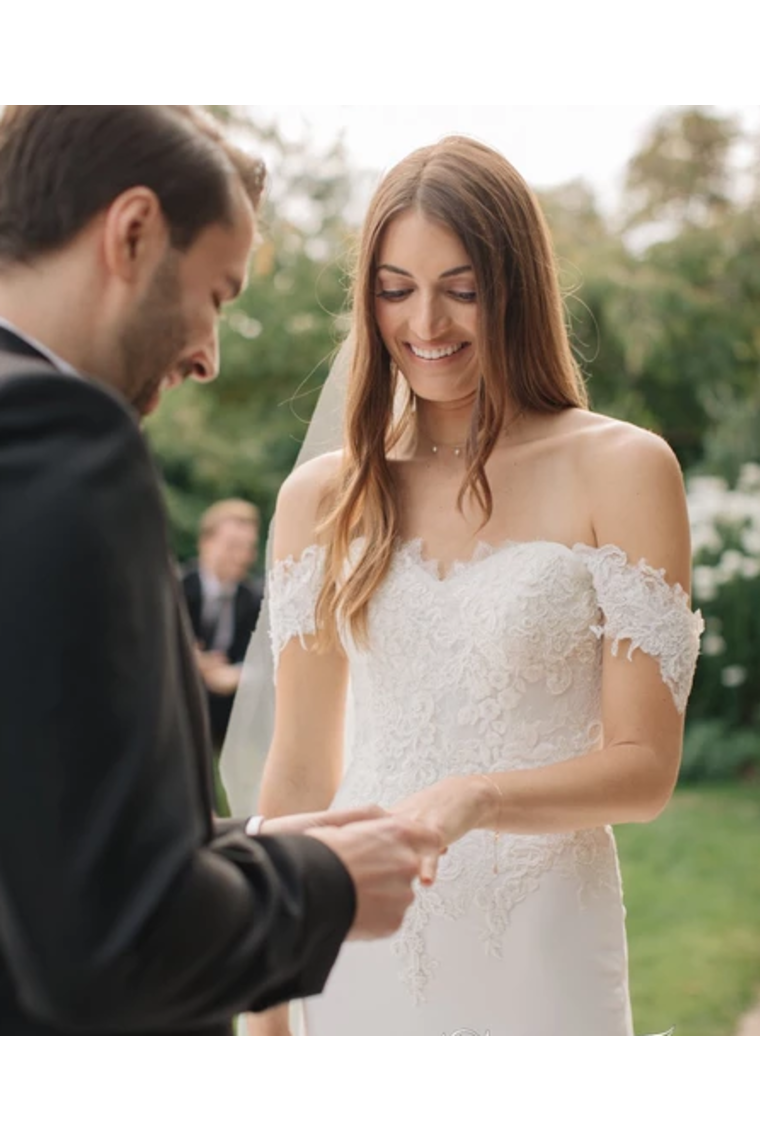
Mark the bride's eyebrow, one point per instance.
(405, 272)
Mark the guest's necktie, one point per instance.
(224, 626)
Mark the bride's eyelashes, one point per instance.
(466, 296)
(393, 294)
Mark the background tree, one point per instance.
(664, 315)
(682, 173)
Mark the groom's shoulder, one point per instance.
(68, 433)
(54, 399)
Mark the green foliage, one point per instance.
(716, 750)
(666, 330)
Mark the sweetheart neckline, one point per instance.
(483, 552)
(413, 548)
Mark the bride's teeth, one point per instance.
(436, 353)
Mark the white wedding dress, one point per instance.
(495, 666)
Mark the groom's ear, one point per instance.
(135, 235)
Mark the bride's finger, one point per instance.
(428, 870)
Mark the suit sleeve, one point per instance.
(119, 906)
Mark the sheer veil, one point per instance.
(251, 724)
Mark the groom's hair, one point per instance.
(62, 166)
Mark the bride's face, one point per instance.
(426, 308)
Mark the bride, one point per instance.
(493, 580)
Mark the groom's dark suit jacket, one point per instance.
(123, 908)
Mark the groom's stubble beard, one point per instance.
(154, 336)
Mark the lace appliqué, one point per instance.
(640, 607)
(293, 589)
(466, 880)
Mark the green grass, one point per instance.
(692, 893)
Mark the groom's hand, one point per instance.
(309, 821)
(383, 857)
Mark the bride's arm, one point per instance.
(638, 504)
(305, 760)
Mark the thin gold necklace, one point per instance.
(436, 445)
(456, 448)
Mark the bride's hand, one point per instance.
(452, 807)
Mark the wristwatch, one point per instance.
(254, 825)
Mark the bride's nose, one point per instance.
(429, 320)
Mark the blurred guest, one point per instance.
(223, 602)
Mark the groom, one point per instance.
(123, 908)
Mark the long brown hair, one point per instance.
(523, 349)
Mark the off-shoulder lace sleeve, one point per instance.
(293, 589)
(639, 606)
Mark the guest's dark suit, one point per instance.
(122, 909)
(247, 604)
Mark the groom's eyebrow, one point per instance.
(405, 272)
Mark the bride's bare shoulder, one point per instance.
(312, 479)
(634, 486)
(301, 503)
(606, 446)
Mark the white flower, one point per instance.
(704, 536)
(707, 486)
(729, 567)
(749, 478)
(751, 540)
(733, 676)
(750, 567)
(705, 583)
(713, 645)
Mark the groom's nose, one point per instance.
(202, 365)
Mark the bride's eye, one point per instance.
(467, 296)
(393, 294)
